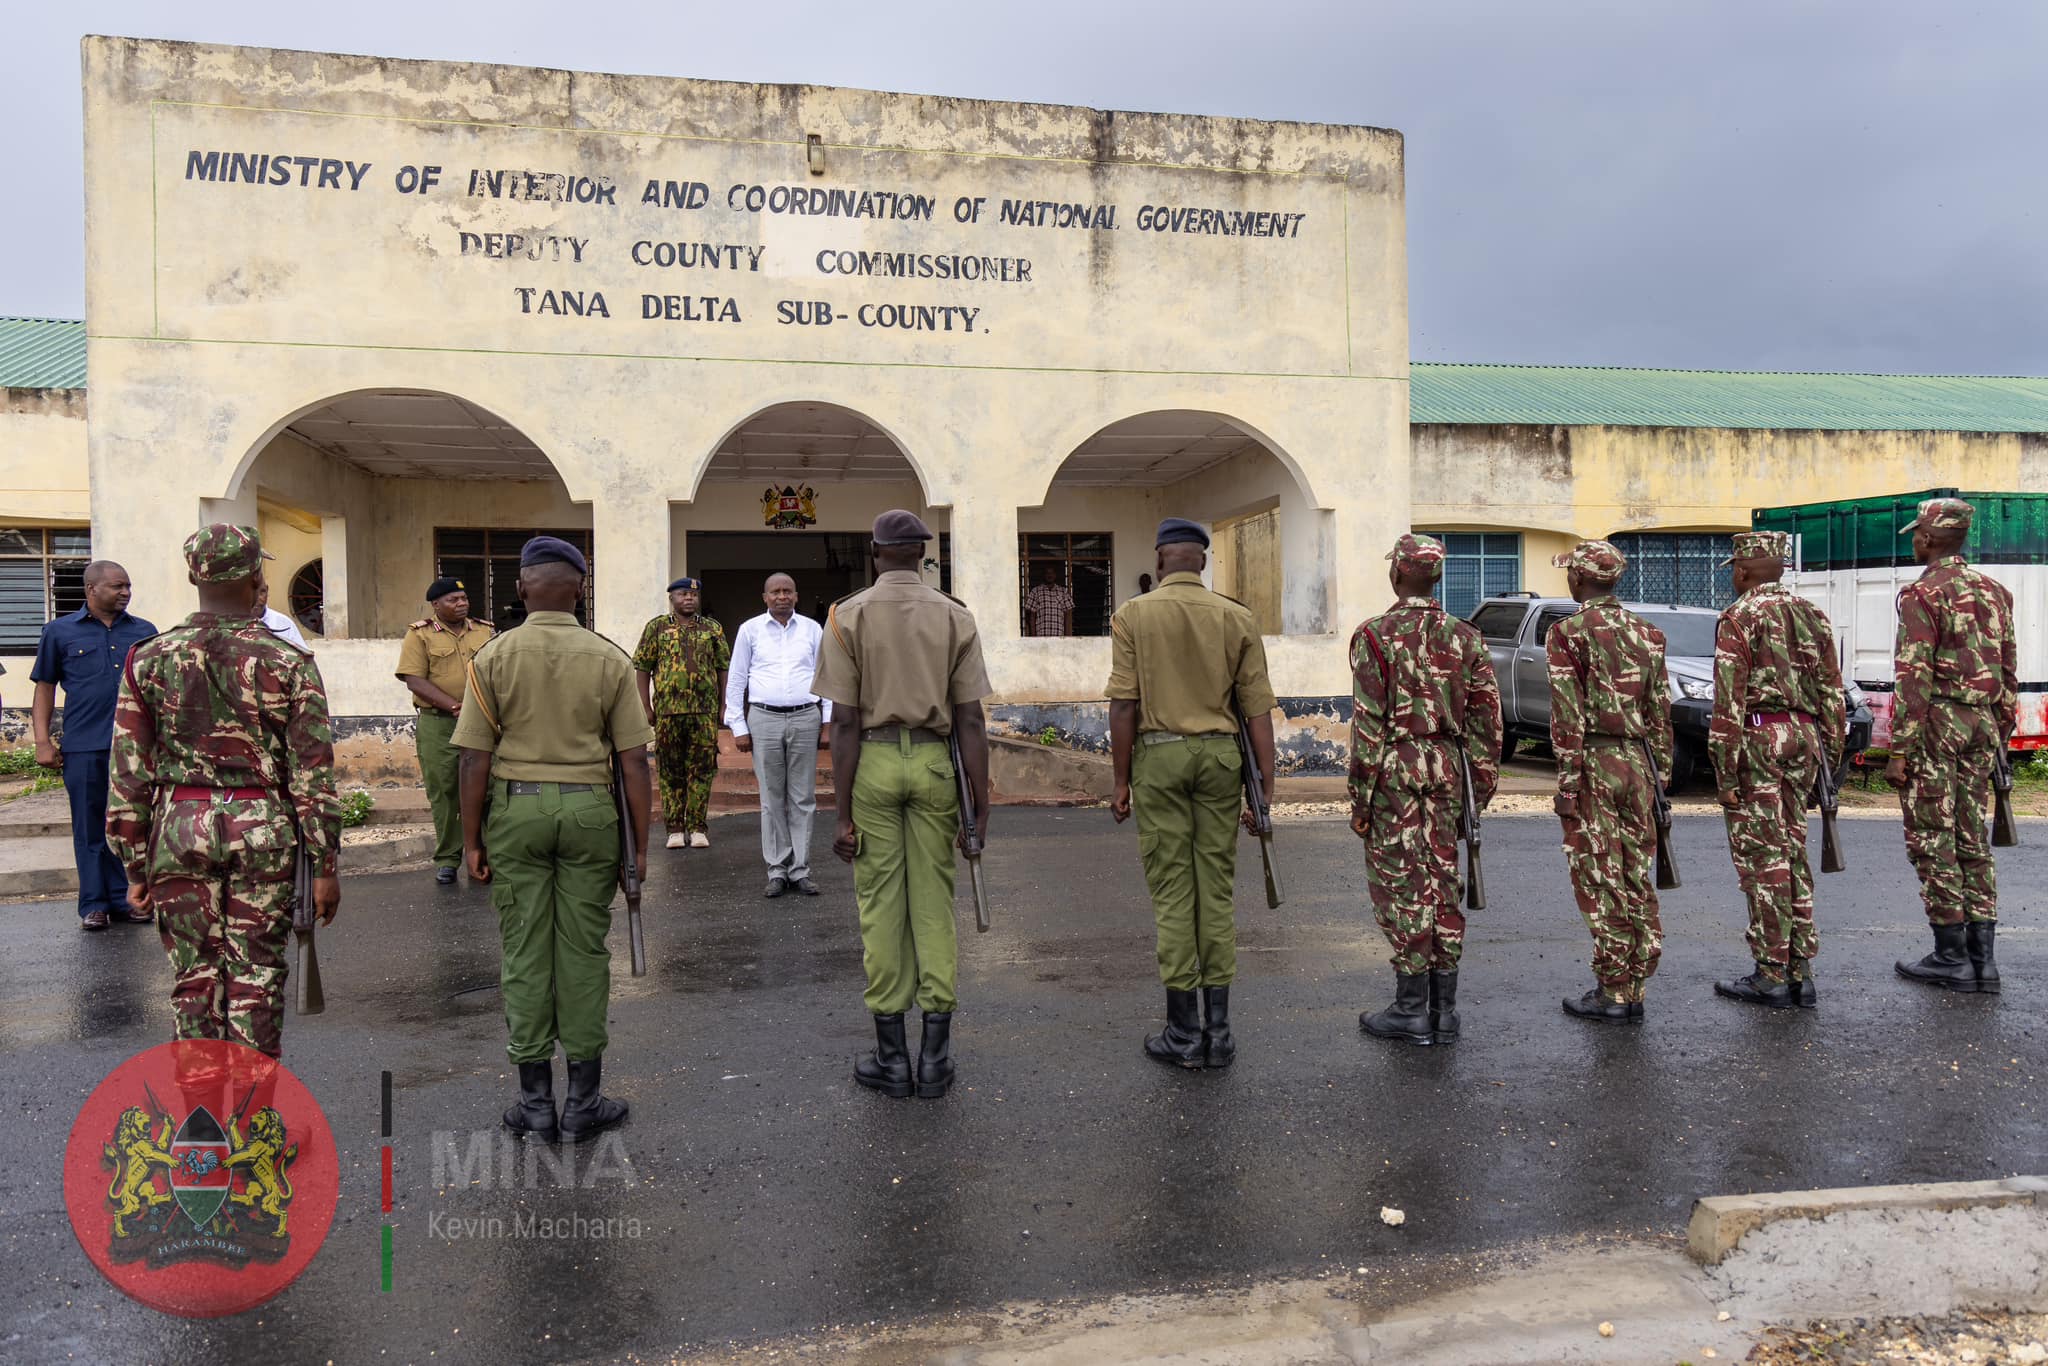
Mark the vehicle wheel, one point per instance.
(1507, 746)
(1683, 765)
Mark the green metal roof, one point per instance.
(42, 353)
(1575, 395)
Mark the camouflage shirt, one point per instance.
(1955, 642)
(221, 702)
(1417, 671)
(1606, 678)
(1773, 651)
(684, 658)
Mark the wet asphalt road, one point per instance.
(772, 1196)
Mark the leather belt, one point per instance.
(1598, 737)
(1779, 718)
(918, 734)
(187, 792)
(518, 788)
(783, 711)
(1167, 737)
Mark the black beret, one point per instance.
(897, 527)
(443, 586)
(1180, 531)
(685, 582)
(552, 550)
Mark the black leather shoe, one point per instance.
(1949, 965)
(445, 876)
(1219, 1046)
(1595, 1006)
(1805, 994)
(1758, 990)
(1979, 937)
(776, 887)
(587, 1112)
(1443, 1007)
(1635, 1012)
(534, 1116)
(1180, 1043)
(935, 1054)
(887, 1069)
(1407, 1019)
(806, 886)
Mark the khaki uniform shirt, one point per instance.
(439, 655)
(903, 653)
(551, 702)
(1178, 650)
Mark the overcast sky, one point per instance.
(1798, 185)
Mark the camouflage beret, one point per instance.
(223, 552)
(1425, 551)
(1760, 545)
(1942, 514)
(1595, 559)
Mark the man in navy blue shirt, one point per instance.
(83, 653)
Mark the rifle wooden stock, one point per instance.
(1831, 860)
(310, 999)
(1257, 802)
(1660, 806)
(2005, 828)
(970, 836)
(629, 870)
(1475, 876)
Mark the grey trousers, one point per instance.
(786, 770)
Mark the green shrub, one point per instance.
(1049, 736)
(355, 806)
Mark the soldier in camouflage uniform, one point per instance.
(682, 659)
(1610, 713)
(1779, 716)
(1422, 690)
(1956, 704)
(223, 768)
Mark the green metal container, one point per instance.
(1863, 533)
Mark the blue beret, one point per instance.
(1180, 531)
(686, 582)
(552, 550)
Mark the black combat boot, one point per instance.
(1979, 936)
(1758, 990)
(1407, 1019)
(1805, 994)
(534, 1116)
(887, 1069)
(1218, 1044)
(1180, 1043)
(1443, 1006)
(1949, 965)
(935, 1054)
(587, 1112)
(1595, 1006)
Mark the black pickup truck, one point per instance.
(1515, 627)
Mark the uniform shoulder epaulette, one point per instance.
(481, 621)
(950, 598)
(421, 624)
(592, 629)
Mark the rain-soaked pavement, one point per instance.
(757, 1192)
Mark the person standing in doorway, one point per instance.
(682, 663)
(433, 663)
(279, 625)
(83, 653)
(1049, 608)
(775, 717)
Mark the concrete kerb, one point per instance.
(1719, 1222)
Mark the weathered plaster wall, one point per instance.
(43, 456)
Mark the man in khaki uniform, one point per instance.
(1183, 661)
(433, 661)
(902, 663)
(550, 707)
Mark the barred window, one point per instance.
(1477, 565)
(1681, 568)
(487, 562)
(42, 577)
(1081, 563)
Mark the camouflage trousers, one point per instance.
(686, 759)
(1610, 850)
(220, 878)
(1947, 777)
(1411, 857)
(1767, 840)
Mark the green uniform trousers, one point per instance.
(906, 806)
(438, 762)
(686, 762)
(1187, 795)
(554, 863)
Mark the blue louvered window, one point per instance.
(42, 576)
(1682, 568)
(1477, 565)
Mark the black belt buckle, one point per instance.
(520, 787)
(786, 711)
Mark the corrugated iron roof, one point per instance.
(1574, 395)
(42, 353)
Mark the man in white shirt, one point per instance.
(774, 716)
(281, 626)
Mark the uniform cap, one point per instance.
(685, 581)
(897, 527)
(1942, 514)
(552, 550)
(1180, 531)
(1595, 559)
(443, 586)
(1760, 545)
(1426, 552)
(223, 552)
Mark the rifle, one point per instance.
(1256, 800)
(1826, 794)
(1660, 807)
(2005, 830)
(970, 843)
(629, 870)
(310, 999)
(1468, 830)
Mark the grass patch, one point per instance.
(21, 763)
(355, 807)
